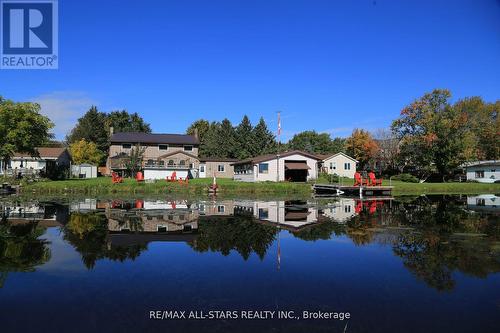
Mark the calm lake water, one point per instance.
(426, 264)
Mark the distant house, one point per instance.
(46, 160)
(296, 166)
(163, 154)
(218, 167)
(84, 171)
(340, 164)
(483, 171)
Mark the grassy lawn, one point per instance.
(103, 185)
(228, 187)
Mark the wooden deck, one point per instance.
(361, 191)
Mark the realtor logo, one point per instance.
(28, 34)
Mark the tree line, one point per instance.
(432, 135)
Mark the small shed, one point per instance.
(84, 171)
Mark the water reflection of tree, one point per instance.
(20, 248)
(446, 238)
(239, 233)
(434, 236)
(88, 234)
(434, 259)
(319, 231)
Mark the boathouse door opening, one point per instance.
(296, 171)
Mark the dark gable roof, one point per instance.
(133, 137)
(44, 152)
(268, 157)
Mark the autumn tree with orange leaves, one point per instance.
(434, 135)
(362, 147)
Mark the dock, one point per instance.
(361, 191)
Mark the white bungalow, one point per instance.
(483, 171)
(295, 166)
(339, 164)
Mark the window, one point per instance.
(347, 166)
(202, 208)
(347, 208)
(263, 214)
(190, 165)
(162, 163)
(170, 162)
(333, 165)
(493, 170)
(480, 202)
(150, 162)
(263, 168)
(126, 145)
(170, 217)
(220, 168)
(163, 147)
(182, 162)
(188, 148)
(161, 228)
(221, 209)
(202, 168)
(182, 217)
(480, 174)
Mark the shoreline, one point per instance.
(229, 188)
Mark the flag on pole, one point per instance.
(279, 124)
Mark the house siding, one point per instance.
(152, 151)
(339, 162)
(211, 169)
(272, 174)
(491, 173)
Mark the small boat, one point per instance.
(7, 189)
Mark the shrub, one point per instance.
(328, 177)
(406, 177)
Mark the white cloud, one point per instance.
(64, 108)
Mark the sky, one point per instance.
(328, 66)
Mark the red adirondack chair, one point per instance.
(373, 180)
(115, 178)
(358, 181)
(139, 176)
(173, 177)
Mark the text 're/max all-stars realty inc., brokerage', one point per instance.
(247, 315)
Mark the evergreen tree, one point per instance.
(245, 140)
(210, 144)
(227, 140)
(122, 121)
(92, 127)
(263, 139)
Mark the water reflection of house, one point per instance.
(289, 214)
(219, 208)
(484, 202)
(83, 206)
(341, 210)
(179, 219)
(45, 215)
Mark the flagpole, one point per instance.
(279, 144)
